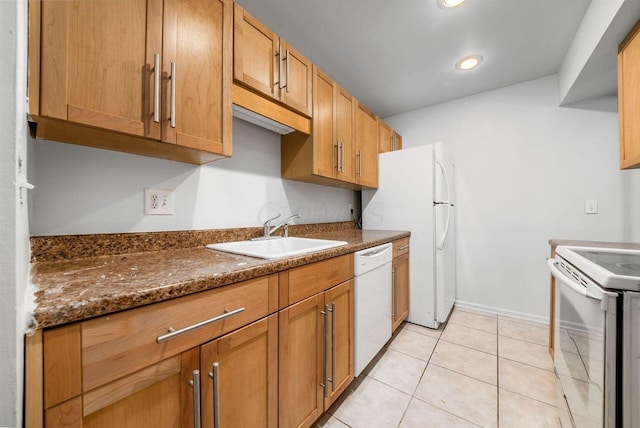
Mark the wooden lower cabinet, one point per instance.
(246, 377)
(316, 354)
(258, 367)
(400, 283)
(400, 268)
(158, 396)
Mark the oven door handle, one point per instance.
(569, 282)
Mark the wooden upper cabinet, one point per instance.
(325, 144)
(97, 63)
(197, 47)
(388, 139)
(327, 156)
(344, 116)
(333, 154)
(385, 137)
(105, 75)
(269, 65)
(297, 72)
(629, 99)
(397, 141)
(256, 60)
(366, 139)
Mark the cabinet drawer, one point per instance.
(400, 247)
(119, 344)
(305, 281)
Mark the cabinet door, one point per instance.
(629, 100)
(246, 376)
(339, 300)
(325, 146)
(298, 75)
(397, 141)
(197, 63)
(256, 58)
(385, 137)
(160, 396)
(344, 114)
(400, 290)
(367, 147)
(301, 370)
(97, 63)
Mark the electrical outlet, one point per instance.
(158, 202)
(591, 207)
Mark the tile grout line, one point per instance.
(420, 380)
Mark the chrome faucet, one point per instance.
(268, 230)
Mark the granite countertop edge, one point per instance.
(76, 290)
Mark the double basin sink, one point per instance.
(277, 247)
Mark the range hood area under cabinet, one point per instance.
(134, 76)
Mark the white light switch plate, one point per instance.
(591, 207)
(158, 202)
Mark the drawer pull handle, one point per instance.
(173, 333)
(404, 247)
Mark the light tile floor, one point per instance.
(479, 370)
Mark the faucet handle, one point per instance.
(266, 223)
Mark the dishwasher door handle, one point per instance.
(373, 254)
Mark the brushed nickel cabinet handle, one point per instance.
(404, 247)
(156, 87)
(337, 147)
(214, 374)
(333, 346)
(326, 350)
(279, 67)
(172, 102)
(359, 163)
(280, 60)
(174, 333)
(342, 157)
(394, 313)
(287, 69)
(195, 383)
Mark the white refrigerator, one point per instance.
(416, 193)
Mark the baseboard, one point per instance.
(501, 311)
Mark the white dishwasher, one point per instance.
(372, 303)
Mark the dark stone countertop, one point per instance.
(76, 289)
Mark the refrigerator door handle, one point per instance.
(440, 245)
(446, 181)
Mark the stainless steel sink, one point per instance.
(276, 247)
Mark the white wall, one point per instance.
(14, 251)
(85, 190)
(524, 168)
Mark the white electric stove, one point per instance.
(597, 336)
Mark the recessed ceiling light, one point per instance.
(449, 4)
(469, 62)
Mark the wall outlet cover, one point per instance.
(591, 207)
(158, 202)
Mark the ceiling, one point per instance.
(399, 55)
